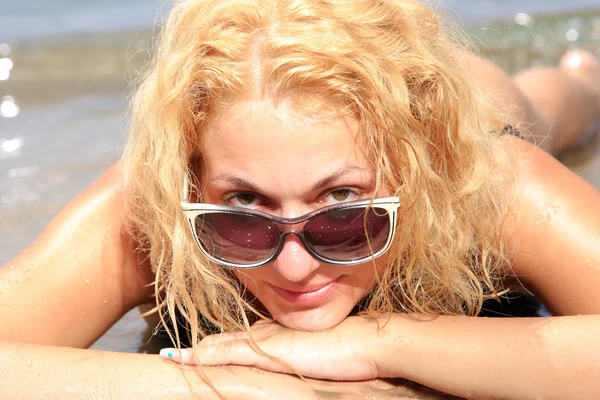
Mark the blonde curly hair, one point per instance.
(389, 64)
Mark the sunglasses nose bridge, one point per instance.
(287, 228)
(291, 228)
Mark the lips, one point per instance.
(312, 294)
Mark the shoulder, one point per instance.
(554, 232)
(541, 178)
(94, 226)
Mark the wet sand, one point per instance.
(72, 92)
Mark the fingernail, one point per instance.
(167, 353)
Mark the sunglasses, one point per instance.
(342, 234)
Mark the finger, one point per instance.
(259, 330)
(261, 322)
(236, 352)
(178, 355)
(212, 340)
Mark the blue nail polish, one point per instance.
(167, 353)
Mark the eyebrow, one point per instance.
(242, 183)
(331, 178)
(234, 181)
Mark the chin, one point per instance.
(311, 320)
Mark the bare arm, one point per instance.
(557, 237)
(44, 372)
(494, 358)
(79, 277)
(53, 373)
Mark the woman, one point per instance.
(290, 111)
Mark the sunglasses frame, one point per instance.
(192, 210)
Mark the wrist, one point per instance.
(396, 343)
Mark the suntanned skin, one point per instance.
(60, 373)
(83, 274)
(80, 276)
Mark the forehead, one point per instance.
(261, 141)
(262, 122)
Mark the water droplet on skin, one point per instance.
(549, 213)
(87, 281)
(105, 301)
(25, 269)
(12, 267)
(28, 362)
(7, 303)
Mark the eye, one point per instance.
(341, 195)
(243, 200)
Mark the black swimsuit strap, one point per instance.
(511, 130)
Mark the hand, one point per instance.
(346, 352)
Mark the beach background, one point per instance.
(65, 73)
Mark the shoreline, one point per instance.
(62, 66)
(57, 68)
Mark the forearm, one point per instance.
(43, 372)
(550, 358)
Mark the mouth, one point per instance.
(314, 294)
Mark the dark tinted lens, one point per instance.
(237, 238)
(345, 235)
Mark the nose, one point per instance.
(294, 263)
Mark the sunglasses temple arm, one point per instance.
(185, 189)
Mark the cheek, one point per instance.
(364, 276)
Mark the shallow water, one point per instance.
(32, 19)
(68, 98)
